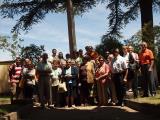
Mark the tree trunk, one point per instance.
(71, 28)
(147, 22)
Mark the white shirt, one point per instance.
(55, 76)
(68, 71)
(118, 64)
(51, 58)
(126, 58)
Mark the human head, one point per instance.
(80, 52)
(116, 52)
(44, 57)
(125, 49)
(54, 52)
(107, 54)
(87, 58)
(55, 64)
(143, 45)
(101, 60)
(130, 48)
(18, 60)
(60, 55)
(68, 56)
(110, 57)
(68, 63)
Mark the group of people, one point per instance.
(84, 79)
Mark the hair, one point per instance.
(87, 57)
(125, 47)
(56, 62)
(144, 43)
(116, 50)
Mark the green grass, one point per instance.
(150, 100)
(4, 109)
(155, 100)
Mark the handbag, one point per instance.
(62, 87)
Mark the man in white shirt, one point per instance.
(119, 76)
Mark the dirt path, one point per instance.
(87, 113)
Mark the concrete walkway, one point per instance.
(87, 113)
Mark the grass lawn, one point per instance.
(155, 100)
(150, 100)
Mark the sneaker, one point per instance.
(73, 106)
(130, 90)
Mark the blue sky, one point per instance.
(52, 32)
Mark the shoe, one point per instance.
(120, 104)
(73, 106)
(66, 106)
(153, 95)
(113, 104)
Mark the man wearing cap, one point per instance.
(119, 76)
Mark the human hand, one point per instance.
(150, 69)
(124, 80)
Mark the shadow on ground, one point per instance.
(88, 113)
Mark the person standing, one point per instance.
(15, 76)
(43, 71)
(102, 81)
(70, 76)
(28, 75)
(133, 71)
(55, 79)
(146, 58)
(119, 76)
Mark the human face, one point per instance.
(125, 50)
(143, 46)
(54, 51)
(18, 61)
(55, 65)
(68, 64)
(130, 49)
(101, 61)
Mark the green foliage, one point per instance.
(136, 39)
(123, 12)
(11, 44)
(33, 11)
(33, 52)
(108, 44)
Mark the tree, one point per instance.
(108, 44)
(33, 52)
(136, 39)
(11, 44)
(32, 11)
(124, 11)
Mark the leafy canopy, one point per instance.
(33, 11)
(32, 52)
(11, 44)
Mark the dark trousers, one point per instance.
(55, 98)
(147, 80)
(135, 84)
(120, 86)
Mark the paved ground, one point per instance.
(87, 113)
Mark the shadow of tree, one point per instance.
(79, 113)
